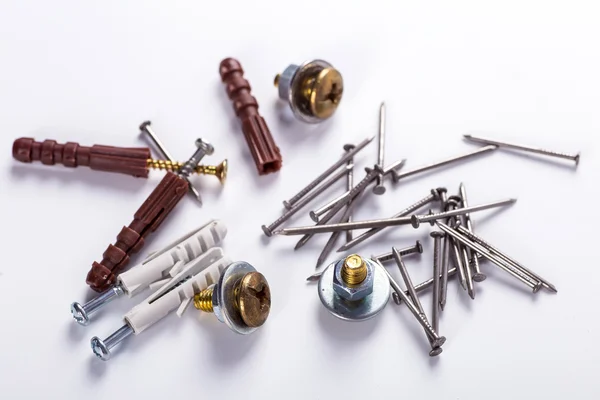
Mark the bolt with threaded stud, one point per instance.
(241, 298)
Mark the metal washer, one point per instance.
(289, 85)
(224, 297)
(360, 310)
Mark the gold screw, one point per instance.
(220, 171)
(354, 270)
(203, 300)
(252, 299)
(327, 93)
(276, 80)
(323, 92)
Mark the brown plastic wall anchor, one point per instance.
(260, 141)
(147, 219)
(125, 160)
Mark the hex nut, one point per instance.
(353, 292)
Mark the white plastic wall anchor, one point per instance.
(179, 291)
(166, 263)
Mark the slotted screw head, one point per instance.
(254, 299)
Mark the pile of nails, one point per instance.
(454, 240)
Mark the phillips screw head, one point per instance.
(254, 299)
(100, 349)
(313, 90)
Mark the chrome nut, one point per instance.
(353, 292)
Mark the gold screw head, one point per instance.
(326, 93)
(221, 171)
(254, 299)
(354, 270)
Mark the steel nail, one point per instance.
(294, 199)
(421, 287)
(268, 230)
(572, 157)
(478, 276)
(435, 340)
(349, 185)
(396, 166)
(407, 211)
(435, 315)
(397, 176)
(535, 286)
(379, 188)
(506, 258)
(415, 220)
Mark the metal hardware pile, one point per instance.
(350, 287)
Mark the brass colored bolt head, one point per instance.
(350, 281)
(254, 299)
(354, 261)
(354, 270)
(326, 93)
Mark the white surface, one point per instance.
(91, 72)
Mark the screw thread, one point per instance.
(354, 270)
(174, 166)
(203, 300)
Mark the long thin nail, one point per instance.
(415, 220)
(370, 177)
(535, 286)
(511, 261)
(397, 176)
(379, 188)
(407, 211)
(435, 315)
(294, 199)
(572, 157)
(268, 230)
(478, 276)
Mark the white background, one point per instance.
(91, 72)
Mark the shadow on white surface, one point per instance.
(76, 332)
(96, 369)
(79, 176)
(227, 348)
(295, 130)
(343, 334)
